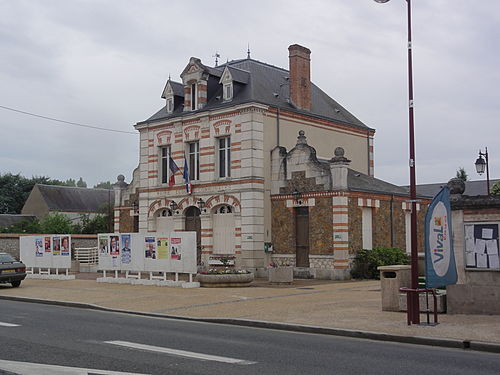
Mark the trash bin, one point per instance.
(391, 279)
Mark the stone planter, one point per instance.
(225, 280)
(281, 275)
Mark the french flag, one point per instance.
(173, 170)
(189, 188)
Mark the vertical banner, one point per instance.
(440, 267)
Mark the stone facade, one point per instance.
(478, 289)
(337, 208)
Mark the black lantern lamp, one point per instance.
(201, 204)
(173, 206)
(482, 165)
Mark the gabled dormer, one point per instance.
(226, 80)
(173, 93)
(195, 82)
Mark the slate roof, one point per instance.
(266, 84)
(472, 188)
(6, 220)
(357, 181)
(66, 198)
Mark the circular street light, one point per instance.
(381, 1)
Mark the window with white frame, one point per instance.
(170, 105)
(366, 227)
(224, 157)
(193, 96)
(164, 162)
(194, 160)
(228, 91)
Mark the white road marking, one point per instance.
(2, 324)
(181, 353)
(26, 368)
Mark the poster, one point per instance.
(38, 247)
(481, 245)
(163, 248)
(65, 246)
(150, 252)
(126, 251)
(47, 245)
(114, 245)
(103, 245)
(56, 246)
(176, 248)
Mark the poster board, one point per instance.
(482, 245)
(152, 252)
(46, 251)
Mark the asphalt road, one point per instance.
(64, 336)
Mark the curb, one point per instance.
(378, 336)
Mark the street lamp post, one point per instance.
(413, 307)
(481, 165)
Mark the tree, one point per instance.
(57, 223)
(70, 182)
(462, 174)
(495, 189)
(81, 183)
(23, 226)
(104, 185)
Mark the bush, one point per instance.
(366, 261)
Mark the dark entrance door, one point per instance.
(302, 236)
(193, 224)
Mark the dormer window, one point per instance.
(170, 104)
(228, 91)
(226, 80)
(193, 97)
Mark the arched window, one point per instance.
(166, 212)
(223, 209)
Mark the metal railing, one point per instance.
(87, 255)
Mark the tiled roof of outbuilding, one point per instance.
(67, 198)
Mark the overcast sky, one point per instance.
(105, 63)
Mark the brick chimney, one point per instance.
(300, 76)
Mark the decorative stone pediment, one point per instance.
(226, 77)
(194, 71)
(192, 133)
(168, 91)
(164, 138)
(222, 127)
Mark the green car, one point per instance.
(11, 270)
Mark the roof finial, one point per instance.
(217, 55)
(248, 51)
(169, 76)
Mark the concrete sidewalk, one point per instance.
(350, 306)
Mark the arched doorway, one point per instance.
(223, 221)
(302, 236)
(193, 224)
(164, 221)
